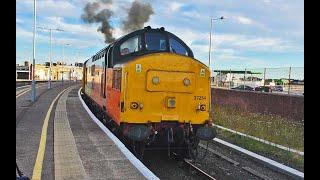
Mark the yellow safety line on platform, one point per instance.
(37, 169)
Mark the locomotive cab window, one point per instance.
(176, 47)
(155, 42)
(130, 46)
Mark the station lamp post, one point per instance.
(63, 45)
(33, 85)
(50, 29)
(211, 20)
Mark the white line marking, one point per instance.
(27, 90)
(261, 140)
(264, 159)
(22, 86)
(138, 164)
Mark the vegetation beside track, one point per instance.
(288, 158)
(268, 127)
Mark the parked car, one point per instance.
(278, 88)
(244, 88)
(262, 89)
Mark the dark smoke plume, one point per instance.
(92, 14)
(138, 14)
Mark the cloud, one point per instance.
(244, 20)
(251, 27)
(18, 20)
(70, 28)
(175, 6)
(50, 8)
(24, 34)
(236, 42)
(58, 38)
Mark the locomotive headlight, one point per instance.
(202, 107)
(186, 82)
(171, 102)
(155, 80)
(134, 105)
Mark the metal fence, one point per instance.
(288, 80)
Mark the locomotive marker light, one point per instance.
(155, 80)
(140, 105)
(186, 82)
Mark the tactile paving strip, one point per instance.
(68, 164)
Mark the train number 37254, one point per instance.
(200, 97)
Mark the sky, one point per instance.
(254, 33)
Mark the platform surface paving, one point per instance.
(76, 148)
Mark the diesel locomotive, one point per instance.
(148, 88)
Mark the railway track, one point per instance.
(196, 168)
(225, 163)
(219, 163)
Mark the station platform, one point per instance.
(56, 138)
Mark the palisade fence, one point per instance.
(287, 80)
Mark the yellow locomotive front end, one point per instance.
(165, 87)
(154, 92)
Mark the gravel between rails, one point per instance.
(238, 166)
(165, 168)
(213, 162)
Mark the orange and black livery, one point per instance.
(148, 87)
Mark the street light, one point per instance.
(33, 86)
(212, 19)
(50, 29)
(63, 58)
